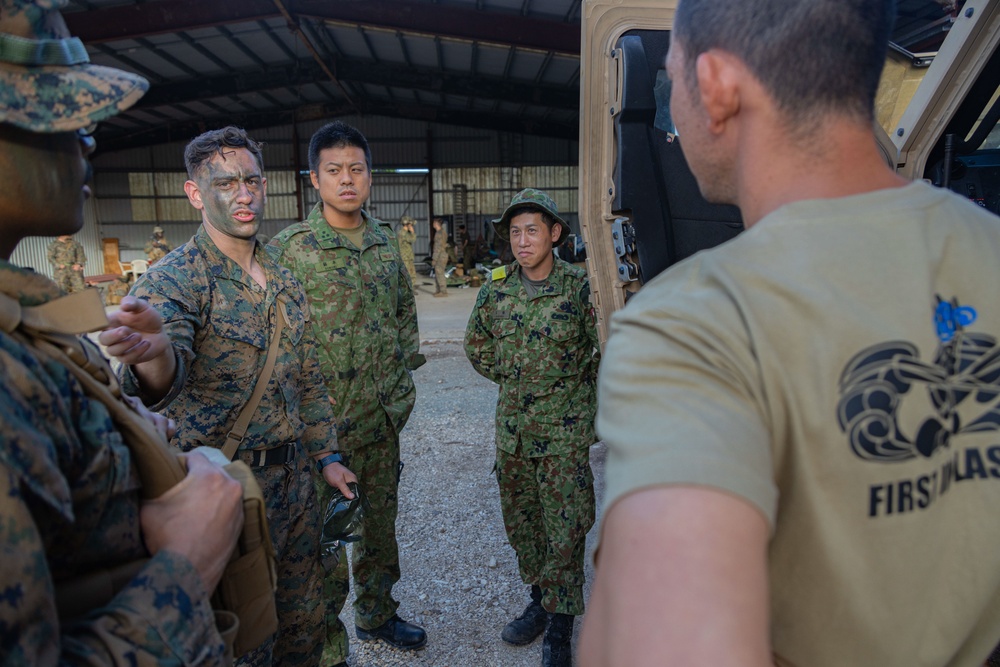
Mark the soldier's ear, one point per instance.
(193, 193)
(314, 178)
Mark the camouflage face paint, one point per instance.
(232, 193)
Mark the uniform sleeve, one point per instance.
(680, 399)
(50, 253)
(406, 315)
(480, 346)
(590, 321)
(81, 256)
(316, 411)
(182, 319)
(160, 617)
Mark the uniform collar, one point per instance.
(553, 283)
(28, 287)
(328, 237)
(221, 266)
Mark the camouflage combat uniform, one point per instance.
(65, 254)
(543, 352)
(365, 321)
(406, 241)
(156, 249)
(69, 504)
(439, 259)
(220, 322)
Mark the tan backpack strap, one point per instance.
(76, 313)
(235, 436)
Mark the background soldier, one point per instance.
(439, 258)
(533, 332)
(157, 247)
(365, 319)
(407, 237)
(67, 259)
(219, 297)
(69, 494)
(467, 248)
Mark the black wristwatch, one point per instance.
(328, 459)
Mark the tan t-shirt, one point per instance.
(837, 367)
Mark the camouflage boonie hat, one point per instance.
(407, 220)
(530, 198)
(47, 83)
(157, 230)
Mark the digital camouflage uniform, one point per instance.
(220, 322)
(62, 255)
(69, 504)
(439, 259)
(364, 318)
(406, 241)
(543, 352)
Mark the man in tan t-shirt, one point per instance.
(802, 424)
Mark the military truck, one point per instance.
(640, 208)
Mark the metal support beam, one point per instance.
(167, 16)
(384, 74)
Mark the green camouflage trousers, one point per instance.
(548, 507)
(295, 529)
(440, 279)
(336, 589)
(69, 280)
(375, 557)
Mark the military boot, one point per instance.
(527, 626)
(557, 648)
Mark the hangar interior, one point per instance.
(464, 102)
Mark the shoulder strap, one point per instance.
(235, 436)
(51, 329)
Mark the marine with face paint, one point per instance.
(221, 297)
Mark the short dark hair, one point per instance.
(337, 134)
(201, 149)
(812, 56)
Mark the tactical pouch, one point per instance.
(249, 581)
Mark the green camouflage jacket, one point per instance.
(66, 254)
(220, 323)
(543, 353)
(69, 505)
(363, 317)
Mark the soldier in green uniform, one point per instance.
(363, 315)
(407, 237)
(67, 259)
(69, 493)
(219, 296)
(157, 247)
(533, 332)
(439, 258)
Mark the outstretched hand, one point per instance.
(135, 333)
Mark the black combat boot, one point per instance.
(527, 626)
(557, 648)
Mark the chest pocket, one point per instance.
(230, 352)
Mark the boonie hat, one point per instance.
(157, 230)
(530, 198)
(47, 83)
(407, 220)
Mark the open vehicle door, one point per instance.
(640, 208)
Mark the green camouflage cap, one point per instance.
(47, 83)
(407, 220)
(529, 199)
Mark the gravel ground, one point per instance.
(459, 575)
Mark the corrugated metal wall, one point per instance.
(31, 252)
